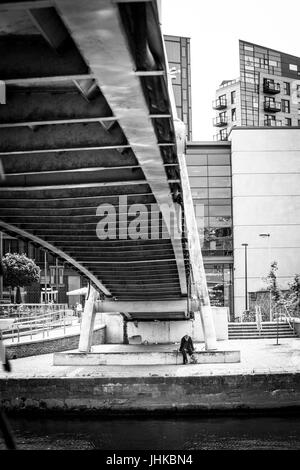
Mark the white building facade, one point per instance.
(266, 207)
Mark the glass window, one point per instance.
(233, 97)
(285, 106)
(287, 121)
(233, 114)
(196, 159)
(223, 116)
(293, 67)
(273, 63)
(200, 209)
(219, 159)
(219, 182)
(197, 170)
(198, 200)
(200, 192)
(223, 134)
(286, 88)
(177, 94)
(220, 202)
(196, 182)
(220, 192)
(270, 100)
(219, 210)
(173, 51)
(219, 170)
(222, 221)
(248, 60)
(269, 117)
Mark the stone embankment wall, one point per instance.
(151, 394)
(51, 345)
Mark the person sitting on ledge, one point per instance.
(186, 347)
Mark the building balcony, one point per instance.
(221, 137)
(220, 121)
(271, 87)
(272, 106)
(272, 123)
(220, 103)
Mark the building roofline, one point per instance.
(228, 83)
(269, 48)
(206, 143)
(268, 128)
(176, 36)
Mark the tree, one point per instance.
(273, 283)
(19, 271)
(295, 294)
(273, 287)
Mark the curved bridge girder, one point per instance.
(88, 122)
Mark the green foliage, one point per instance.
(295, 295)
(19, 271)
(273, 286)
(290, 299)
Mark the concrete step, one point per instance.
(270, 328)
(242, 325)
(253, 324)
(140, 356)
(267, 330)
(260, 337)
(287, 335)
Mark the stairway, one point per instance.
(250, 331)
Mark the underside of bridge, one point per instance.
(87, 131)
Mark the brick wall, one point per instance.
(51, 345)
(151, 394)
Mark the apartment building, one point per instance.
(265, 95)
(178, 54)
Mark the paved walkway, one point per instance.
(260, 356)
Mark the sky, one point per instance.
(215, 27)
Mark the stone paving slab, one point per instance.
(260, 356)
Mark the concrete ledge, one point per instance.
(141, 358)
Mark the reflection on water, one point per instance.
(182, 433)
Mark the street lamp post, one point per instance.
(246, 277)
(267, 235)
(46, 277)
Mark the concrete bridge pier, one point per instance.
(88, 320)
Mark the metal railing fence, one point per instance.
(41, 323)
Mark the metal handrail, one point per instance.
(38, 317)
(269, 85)
(20, 310)
(286, 314)
(40, 324)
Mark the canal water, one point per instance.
(182, 433)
